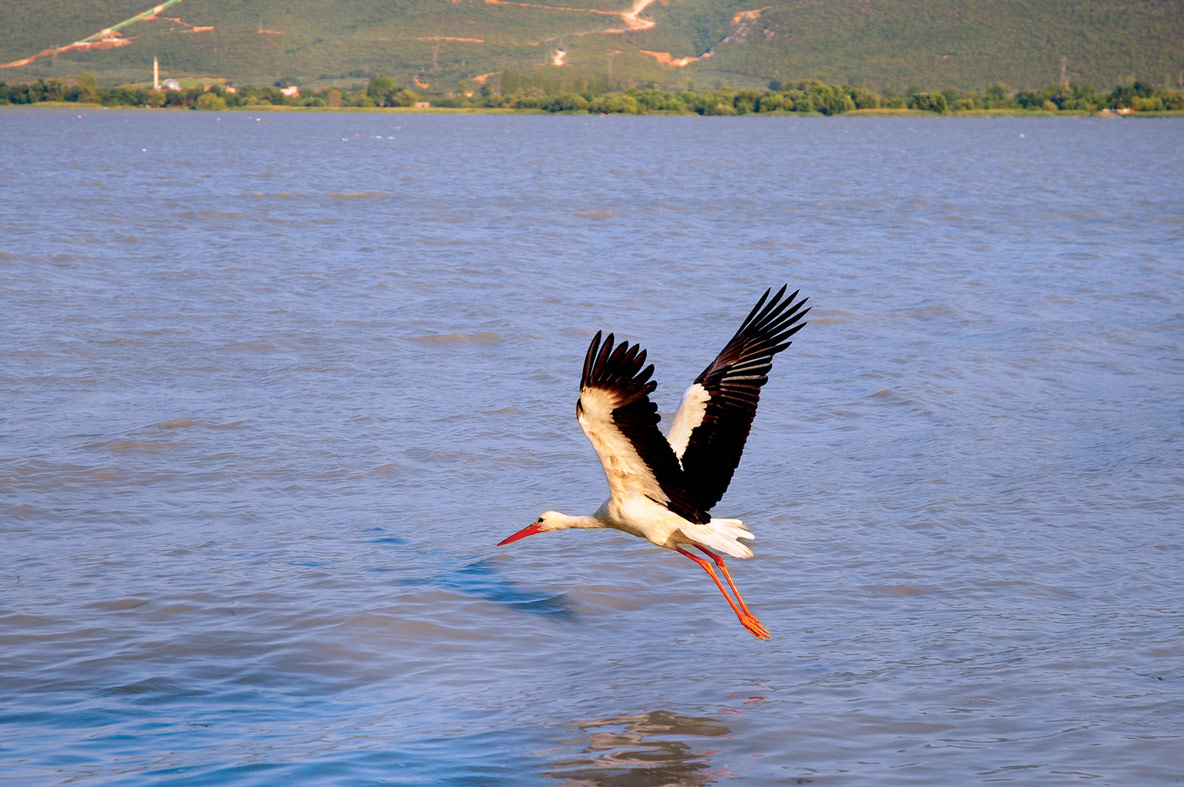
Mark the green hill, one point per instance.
(879, 44)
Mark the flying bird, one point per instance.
(662, 488)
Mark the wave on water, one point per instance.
(481, 337)
(937, 311)
(187, 423)
(39, 474)
(827, 316)
(136, 446)
(212, 214)
(249, 346)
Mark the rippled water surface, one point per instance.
(273, 387)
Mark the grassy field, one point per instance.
(886, 44)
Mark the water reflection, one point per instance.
(482, 579)
(643, 750)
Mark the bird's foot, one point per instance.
(755, 626)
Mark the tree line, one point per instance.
(597, 96)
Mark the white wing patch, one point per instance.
(722, 535)
(623, 466)
(690, 415)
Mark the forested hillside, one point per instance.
(444, 44)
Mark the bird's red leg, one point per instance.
(746, 618)
(719, 561)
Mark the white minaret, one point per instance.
(155, 73)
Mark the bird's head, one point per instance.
(548, 520)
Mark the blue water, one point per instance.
(274, 385)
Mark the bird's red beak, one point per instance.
(529, 530)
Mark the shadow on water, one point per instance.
(642, 750)
(482, 580)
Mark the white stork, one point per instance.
(661, 488)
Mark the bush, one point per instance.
(568, 102)
(865, 99)
(615, 103)
(1150, 104)
(773, 102)
(210, 102)
(534, 98)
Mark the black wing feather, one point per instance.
(733, 381)
(619, 370)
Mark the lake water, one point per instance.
(274, 386)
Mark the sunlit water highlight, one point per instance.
(274, 386)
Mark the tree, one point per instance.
(86, 88)
(1149, 104)
(403, 98)
(123, 96)
(800, 100)
(746, 101)
(530, 98)
(996, 96)
(651, 100)
(567, 102)
(1084, 97)
(210, 102)
(1124, 96)
(382, 90)
(1029, 100)
(820, 95)
(1173, 100)
(838, 103)
(774, 102)
(864, 98)
(615, 103)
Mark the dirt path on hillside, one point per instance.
(107, 38)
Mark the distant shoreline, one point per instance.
(879, 112)
(515, 93)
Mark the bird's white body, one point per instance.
(631, 505)
(642, 517)
(662, 488)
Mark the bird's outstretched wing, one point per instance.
(621, 422)
(712, 424)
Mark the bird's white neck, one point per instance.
(559, 521)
